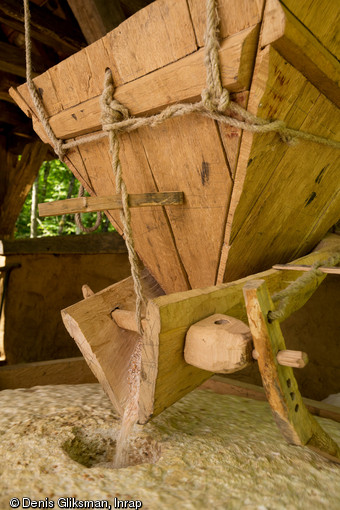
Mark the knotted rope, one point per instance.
(215, 104)
(284, 297)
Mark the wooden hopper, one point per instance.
(250, 200)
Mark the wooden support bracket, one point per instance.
(94, 204)
(290, 413)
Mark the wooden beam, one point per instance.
(12, 60)
(110, 242)
(182, 80)
(45, 27)
(96, 17)
(93, 204)
(11, 114)
(229, 386)
(59, 371)
(289, 411)
(301, 49)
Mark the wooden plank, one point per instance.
(229, 386)
(291, 267)
(206, 183)
(167, 376)
(45, 27)
(301, 49)
(320, 17)
(266, 198)
(20, 176)
(107, 348)
(182, 80)
(41, 373)
(110, 242)
(289, 411)
(234, 16)
(92, 204)
(96, 17)
(12, 60)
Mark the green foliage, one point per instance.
(54, 180)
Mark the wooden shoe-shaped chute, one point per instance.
(297, 425)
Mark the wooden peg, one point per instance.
(219, 343)
(286, 358)
(126, 319)
(87, 292)
(296, 359)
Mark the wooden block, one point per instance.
(219, 343)
(166, 375)
(289, 411)
(295, 359)
(91, 204)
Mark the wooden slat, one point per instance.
(182, 80)
(229, 386)
(235, 16)
(291, 267)
(268, 193)
(92, 204)
(45, 27)
(301, 49)
(289, 411)
(167, 376)
(110, 242)
(60, 371)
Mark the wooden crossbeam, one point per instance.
(93, 204)
(228, 386)
(12, 60)
(45, 27)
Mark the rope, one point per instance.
(112, 111)
(56, 142)
(77, 217)
(285, 296)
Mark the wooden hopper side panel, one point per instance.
(290, 194)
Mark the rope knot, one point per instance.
(215, 103)
(112, 110)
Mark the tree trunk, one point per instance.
(69, 194)
(34, 208)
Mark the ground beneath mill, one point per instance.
(207, 450)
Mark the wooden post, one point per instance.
(290, 413)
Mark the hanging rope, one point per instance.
(78, 220)
(285, 296)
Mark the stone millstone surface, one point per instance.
(213, 451)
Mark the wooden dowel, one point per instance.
(296, 359)
(87, 291)
(94, 204)
(291, 267)
(287, 358)
(126, 319)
